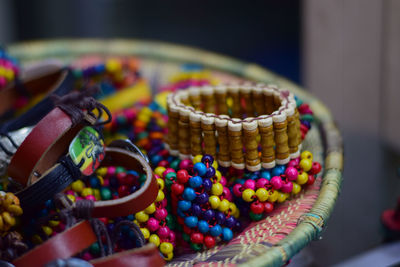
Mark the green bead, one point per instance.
(95, 249)
(307, 117)
(119, 169)
(105, 193)
(170, 221)
(142, 178)
(1, 187)
(142, 135)
(175, 164)
(77, 73)
(255, 217)
(299, 102)
(196, 247)
(186, 237)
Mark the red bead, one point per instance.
(177, 189)
(268, 207)
(163, 153)
(311, 179)
(209, 241)
(164, 163)
(315, 168)
(123, 191)
(197, 238)
(181, 220)
(104, 220)
(182, 176)
(186, 229)
(129, 180)
(257, 207)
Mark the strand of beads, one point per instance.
(258, 191)
(9, 210)
(9, 69)
(202, 202)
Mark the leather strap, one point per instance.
(63, 245)
(145, 256)
(42, 147)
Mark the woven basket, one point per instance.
(293, 224)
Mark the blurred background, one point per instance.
(344, 51)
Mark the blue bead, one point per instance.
(189, 194)
(240, 181)
(208, 215)
(191, 221)
(134, 173)
(100, 68)
(49, 204)
(254, 176)
(266, 175)
(210, 172)
(43, 212)
(278, 170)
(230, 222)
(196, 210)
(130, 217)
(216, 230)
(94, 182)
(200, 168)
(227, 234)
(184, 205)
(207, 184)
(207, 158)
(181, 214)
(195, 181)
(203, 226)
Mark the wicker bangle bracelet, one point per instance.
(244, 126)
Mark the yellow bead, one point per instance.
(282, 197)
(161, 184)
(144, 118)
(248, 194)
(197, 159)
(113, 65)
(306, 164)
(224, 205)
(306, 155)
(101, 171)
(218, 175)
(36, 239)
(15, 210)
(302, 178)
(145, 232)
(217, 189)
(150, 209)
(214, 202)
(87, 191)
(159, 171)
(136, 222)
(236, 214)
(8, 219)
(96, 193)
(166, 248)
(47, 230)
(154, 239)
(141, 217)
(78, 186)
(9, 75)
(169, 256)
(100, 179)
(146, 110)
(54, 223)
(160, 196)
(296, 188)
(71, 197)
(232, 207)
(273, 196)
(1, 224)
(215, 165)
(262, 194)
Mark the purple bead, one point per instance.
(220, 217)
(134, 189)
(238, 226)
(210, 172)
(207, 158)
(306, 123)
(196, 210)
(114, 182)
(208, 215)
(230, 222)
(207, 184)
(202, 198)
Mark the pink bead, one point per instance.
(163, 232)
(261, 183)
(287, 187)
(79, 198)
(87, 256)
(164, 203)
(186, 164)
(90, 197)
(227, 193)
(3, 81)
(276, 182)
(250, 184)
(168, 170)
(70, 192)
(172, 236)
(111, 170)
(291, 173)
(223, 180)
(161, 214)
(153, 224)
(130, 114)
(237, 190)
(106, 182)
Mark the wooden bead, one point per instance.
(196, 138)
(281, 139)
(258, 101)
(267, 142)
(172, 139)
(245, 94)
(236, 143)
(184, 133)
(233, 93)
(221, 125)
(277, 100)
(250, 133)
(210, 140)
(184, 96)
(195, 97)
(292, 132)
(268, 101)
(208, 100)
(221, 99)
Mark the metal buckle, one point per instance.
(128, 145)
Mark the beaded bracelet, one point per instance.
(225, 122)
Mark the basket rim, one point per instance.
(311, 224)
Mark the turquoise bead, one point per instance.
(227, 234)
(191, 221)
(216, 230)
(203, 226)
(105, 193)
(189, 194)
(200, 168)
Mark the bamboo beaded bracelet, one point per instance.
(242, 125)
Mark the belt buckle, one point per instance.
(128, 145)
